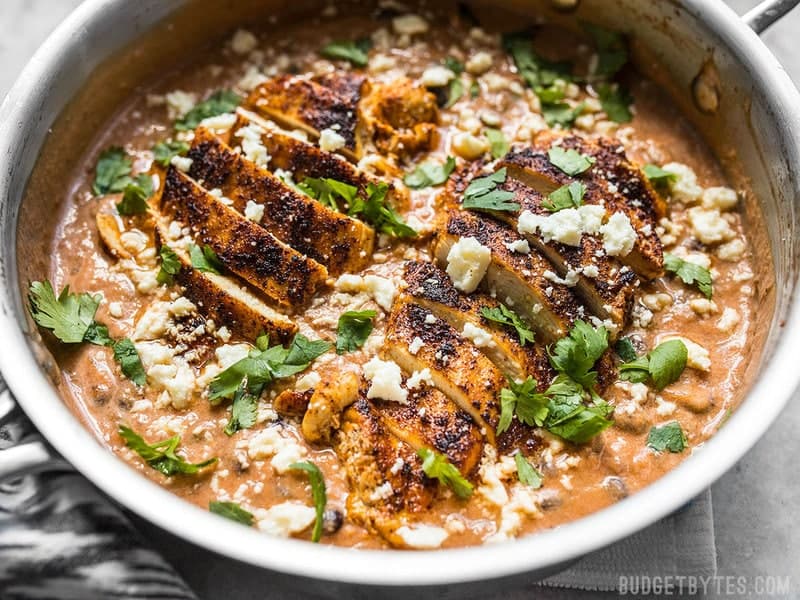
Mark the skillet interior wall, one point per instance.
(673, 56)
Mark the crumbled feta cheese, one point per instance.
(467, 263)
(308, 381)
(380, 63)
(382, 290)
(285, 519)
(698, 356)
(703, 306)
(591, 271)
(286, 456)
(663, 407)
(637, 395)
(229, 354)
(418, 378)
(179, 103)
(684, 188)
(266, 443)
(182, 163)
(657, 302)
(709, 227)
(437, 76)
(220, 123)
(642, 316)
(729, 320)
(409, 24)
(519, 246)
(422, 536)
(731, 251)
(619, 236)
(430, 319)
(386, 380)
(243, 42)
(115, 309)
(720, 198)
(468, 146)
(252, 146)
(479, 63)
(565, 226)
(253, 211)
(330, 140)
(382, 492)
(570, 279)
(415, 345)
(478, 336)
(251, 79)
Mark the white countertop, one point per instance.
(756, 504)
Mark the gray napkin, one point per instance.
(61, 539)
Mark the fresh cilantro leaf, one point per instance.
(636, 370)
(612, 51)
(244, 410)
(112, 173)
(576, 354)
(582, 424)
(356, 52)
(430, 174)
(505, 316)
(663, 364)
(232, 511)
(353, 330)
(164, 152)
(98, 334)
(218, 103)
(534, 70)
(669, 437)
(170, 265)
(567, 196)
(616, 102)
(318, 493)
(454, 92)
(455, 65)
(625, 349)
(265, 364)
(570, 161)
(527, 474)
(205, 259)
(128, 359)
(70, 316)
(482, 194)
(376, 211)
(690, 273)
(436, 466)
(561, 113)
(523, 400)
(134, 197)
(474, 90)
(161, 455)
(327, 190)
(658, 176)
(498, 142)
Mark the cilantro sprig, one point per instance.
(355, 52)
(616, 102)
(164, 152)
(429, 174)
(570, 161)
(135, 195)
(436, 466)
(663, 365)
(264, 364)
(505, 316)
(113, 172)
(668, 437)
(161, 455)
(170, 265)
(375, 210)
(244, 410)
(71, 319)
(690, 273)
(576, 354)
(353, 329)
(527, 473)
(329, 191)
(318, 494)
(482, 194)
(567, 196)
(658, 176)
(498, 142)
(218, 103)
(205, 259)
(232, 511)
(612, 51)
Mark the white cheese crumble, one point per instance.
(254, 211)
(437, 76)
(478, 336)
(664, 407)
(698, 356)
(285, 519)
(422, 536)
(115, 309)
(518, 246)
(731, 251)
(330, 140)
(251, 79)
(467, 263)
(591, 271)
(252, 147)
(382, 492)
(220, 123)
(430, 319)
(709, 227)
(386, 380)
(419, 377)
(570, 279)
(684, 188)
(243, 42)
(479, 63)
(416, 345)
(179, 103)
(619, 236)
(182, 163)
(308, 381)
(720, 198)
(565, 226)
(469, 146)
(729, 320)
(382, 290)
(409, 24)
(270, 443)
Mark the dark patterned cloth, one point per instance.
(60, 539)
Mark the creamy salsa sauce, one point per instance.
(576, 479)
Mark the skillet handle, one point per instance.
(22, 451)
(762, 16)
